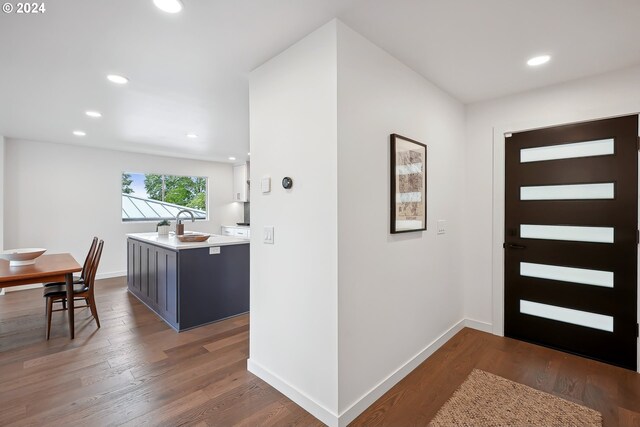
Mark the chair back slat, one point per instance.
(93, 270)
(88, 259)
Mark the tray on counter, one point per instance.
(193, 237)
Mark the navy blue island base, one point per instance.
(189, 285)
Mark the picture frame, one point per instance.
(408, 173)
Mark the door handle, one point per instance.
(514, 246)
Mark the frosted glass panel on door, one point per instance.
(567, 151)
(567, 232)
(567, 274)
(568, 192)
(567, 315)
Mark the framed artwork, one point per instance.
(408, 185)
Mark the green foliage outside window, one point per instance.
(185, 191)
(126, 183)
(179, 190)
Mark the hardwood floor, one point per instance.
(133, 371)
(136, 371)
(414, 401)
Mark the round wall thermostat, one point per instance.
(287, 182)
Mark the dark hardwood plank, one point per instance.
(613, 391)
(135, 371)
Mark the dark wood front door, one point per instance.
(571, 239)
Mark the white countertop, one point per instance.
(236, 226)
(171, 242)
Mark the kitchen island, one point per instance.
(189, 284)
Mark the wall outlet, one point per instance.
(268, 235)
(442, 226)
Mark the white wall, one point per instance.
(397, 293)
(338, 305)
(607, 95)
(2, 193)
(59, 196)
(294, 300)
(2, 198)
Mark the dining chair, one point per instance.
(83, 273)
(81, 291)
(85, 266)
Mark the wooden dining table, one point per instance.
(47, 268)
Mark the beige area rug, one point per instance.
(487, 400)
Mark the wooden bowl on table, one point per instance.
(193, 237)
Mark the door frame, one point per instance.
(498, 211)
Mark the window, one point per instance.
(154, 197)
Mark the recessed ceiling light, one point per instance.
(95, 114)
(79, 133)
(232, 158)
(192, 135)
(538, 60)
(117, 79)
(169, 6)
(248, 154)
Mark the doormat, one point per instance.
(487, 400)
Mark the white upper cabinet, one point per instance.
(241, 183)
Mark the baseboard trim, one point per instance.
(22, 288)
(307, 403)
(39, 285)
(351, 413)
(110, 275)
(478, 325)
(385, 385)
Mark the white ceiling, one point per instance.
(189, 71)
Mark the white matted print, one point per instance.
(408, 185)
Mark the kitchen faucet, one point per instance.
(179, 224)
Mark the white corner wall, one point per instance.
(607, 95)
(59, 196)
(397, 293)
(340, 309)
(293, 340)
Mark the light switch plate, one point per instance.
(442, 226)
(265, 185)
(268, 235)
(214, 250)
